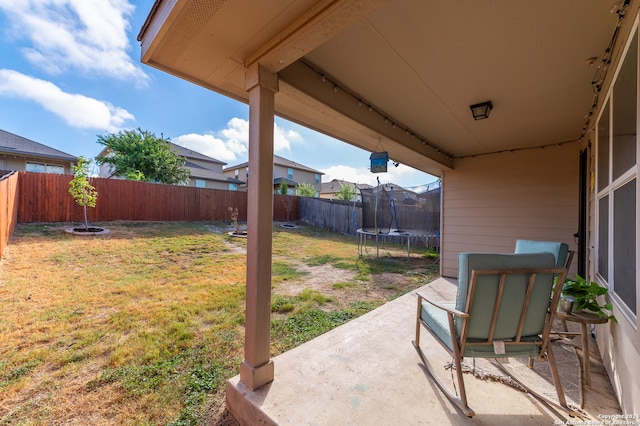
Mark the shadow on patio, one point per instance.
(368, 372)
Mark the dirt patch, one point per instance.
(342, 286)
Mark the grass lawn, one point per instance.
(145, 324)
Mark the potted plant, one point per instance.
(586, 295)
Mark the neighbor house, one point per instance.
(204, 171)
(331, 188)
(18, 153)
(526, 110)
(284, 170)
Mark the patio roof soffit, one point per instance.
(302, 77)
(316, 26)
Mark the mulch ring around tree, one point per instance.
(91, 230)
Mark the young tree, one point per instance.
(283, 188)
(347, 192)
(81, 189)
(141, 155)
(305, 190)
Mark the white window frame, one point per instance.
(609, 191)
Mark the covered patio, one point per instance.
(403, 77)
(368, 372)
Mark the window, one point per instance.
(290, 173)
(237, 172)
(247, 173)
(617, 230)
(36, 167)
(317, 179)
(201, 183)
(233, 187)
(44, 168)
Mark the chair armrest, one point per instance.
(440, 306)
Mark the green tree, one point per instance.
(81, 189)
(141, 155)
(305, 190)
(347, 192)
(283, 188)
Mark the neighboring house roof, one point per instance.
(182, 151)
(289, 182)
(17, 145)
(196, 171)
(336, 185)
(199, 172)
(189, 153)
(279, 161)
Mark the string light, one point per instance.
(361, 103)
(511, 151)
(598, 78)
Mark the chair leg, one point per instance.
(556, 376)
(461, 389)
(460, 402)
(416, 342)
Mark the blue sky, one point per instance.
(70, 71)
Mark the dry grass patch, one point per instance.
(144, 325)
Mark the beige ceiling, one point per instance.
(399, 75)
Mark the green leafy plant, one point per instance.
(81, 189)
(140, 155)
(347, 192)
(283, 188)
(305, 190)
(586, 294)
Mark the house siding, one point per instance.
(18, 163)
(491, 201)
(210, 184)
(299, 176)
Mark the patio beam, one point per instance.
(304, 79)
(257, 368)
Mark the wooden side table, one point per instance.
(582, 318)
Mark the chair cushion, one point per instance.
(559, 250)
(513, 296)
(437, 322)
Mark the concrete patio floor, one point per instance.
(368, 372)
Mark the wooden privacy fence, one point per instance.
(8, 207)
(45, 198)
(335, 215)
(345, 217)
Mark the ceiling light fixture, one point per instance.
(481, 111)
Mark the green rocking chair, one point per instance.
(503, 308)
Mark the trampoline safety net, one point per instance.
(390, 208)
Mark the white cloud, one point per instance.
(208, 145)
(232, 143)
(348, 173)
(282, 138)
(400, 175)
(88, 36)
(76, 110)
(236, 136)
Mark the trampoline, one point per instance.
(391, 212)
